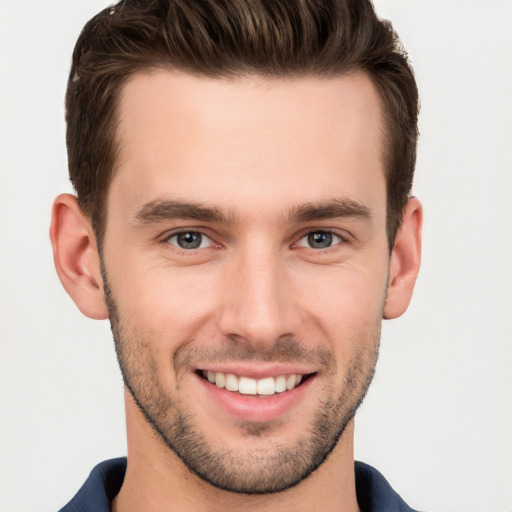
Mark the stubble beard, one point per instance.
(259, 470)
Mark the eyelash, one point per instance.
(342, 239)
(329, 233)
(168, 238)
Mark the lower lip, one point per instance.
(255, 408)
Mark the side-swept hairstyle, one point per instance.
(232, 38)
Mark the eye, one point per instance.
(320, 240)
(189, 240)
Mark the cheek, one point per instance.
(165, 304)
(344, 304)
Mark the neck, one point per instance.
(157, 480)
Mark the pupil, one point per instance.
(189, 240)
(320, 240)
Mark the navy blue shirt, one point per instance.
(374, 494)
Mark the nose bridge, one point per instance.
(258, 309)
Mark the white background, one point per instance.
(438, 420)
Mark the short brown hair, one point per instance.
(230, 38)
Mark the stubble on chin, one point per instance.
(256, 470)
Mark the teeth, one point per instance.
(231, 382)
(248, 386)
(266, 386)
(290, 382)
(280, 384)
(220, 380)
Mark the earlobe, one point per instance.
(405, 261)
(76, 256)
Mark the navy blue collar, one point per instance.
(374, 494)
(100, 488)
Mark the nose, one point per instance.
(259, 305)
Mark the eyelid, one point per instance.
(205, 239)
(166, 238)
(342, 236)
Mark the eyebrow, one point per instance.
(337, 208)
(160, 210)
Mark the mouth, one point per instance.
(244, 385)
(255, 392)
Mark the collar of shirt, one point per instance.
(374, 494)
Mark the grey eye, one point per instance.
(190, 240)
(320, 240)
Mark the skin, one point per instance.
(255, 296)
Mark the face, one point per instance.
(245, 263)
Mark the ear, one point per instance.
(76, 258)
(405, 261)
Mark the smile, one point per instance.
(255, 393)
(248, 386)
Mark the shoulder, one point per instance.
(375, 494)
(100, 488)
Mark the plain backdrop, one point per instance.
(438, 419)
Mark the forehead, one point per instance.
(238, 142)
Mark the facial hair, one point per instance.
(274, 468)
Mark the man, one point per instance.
(243, 217)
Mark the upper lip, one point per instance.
(259, 371)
